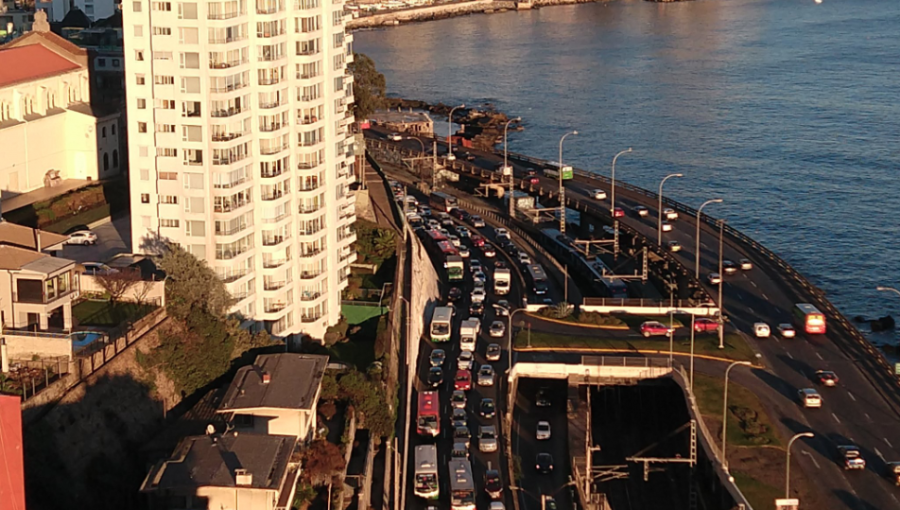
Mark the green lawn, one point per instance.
(758, 494)
(709, 392)
(84, 218)
(735, 346)
(358, 314)
(359, 350)
(100, 313)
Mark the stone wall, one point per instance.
(27, 346)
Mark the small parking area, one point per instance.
(113, 238)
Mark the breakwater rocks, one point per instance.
(451, 10)
(482, 125)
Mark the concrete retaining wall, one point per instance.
(27, 346)
(701, 311)
(146, 291)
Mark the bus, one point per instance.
(462, 485)
(441, 321)
(450, 259)
(426, 485)
(553, 169)
(538, 279)
(443, 202)
(808, 318)
(428, 420)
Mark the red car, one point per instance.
(827, 378)
(477, 240)
(533, 180)
(653, 328)
(463, 380)
(618, 212)
(704, 325)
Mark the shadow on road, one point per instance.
(776, 383)
(853, 501)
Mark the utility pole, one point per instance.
(434, 167)
(721, 283)
(562, 189)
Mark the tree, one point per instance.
(116, 284)
(321, 461)
(368, 86)
(191, 284)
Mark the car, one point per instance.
(460, 451)
(95, 268)
(542, 433)
(850, 457)
(479, 276)
(641, 211)
(454, 240)
(499, 264)
(524, 259)
(670, 214)
(503, 169)
(477, 241)
(476, 309)
(477, 221)
(497, 329)
(618, 212)
(424, 210)
(542, 398)
(809, 397)
(543, 463)
(442, 217)
(478, 295)
(487, 438)
(459, 417)
(444, 232)
(464, 252)
(492, 484)
(666, 226)
(496, 505)
(729, 267)
(705, 325)
(470, 156)
(435, 376)
(462, 232)
(786, 331)
(395, 137)
(450, 156)
(509, 247)
(478, 285)
(655, 328)
(674, 246)
(457, 213)
(475, 265)
(827, 378)
(464, 361)
(494, 351)
(454, 293)
(761, 330)
(501, 232)
(598, 194)
(532, 179)
(462, 435)
(714, 278)
(501, 308)
(550, 503)
(746, 265)
(433, 224)
(82, 237)
(489, 251)
(486, 375)
(437, 357)
(458, 399)
(486, 409)
(463, 380)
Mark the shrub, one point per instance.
(382, 338)
(337, 332)
(321, 461)
(327, 410)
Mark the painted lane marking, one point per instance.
(835, 417)
(765, 296)
(754, 284)
(820, 356)
(888, 442)
(868, 417)
(813, 459)
(851, 396)
(879, 454)
(789, 354)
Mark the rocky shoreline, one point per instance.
(483, 125)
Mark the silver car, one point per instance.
(486, 375)
(464, 362)
(458, 399)
(487, 438)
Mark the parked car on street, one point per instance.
(654, 328)
(82, 237)
(705, 325)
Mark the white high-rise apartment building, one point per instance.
(240, 148)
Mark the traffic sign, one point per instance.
(896, 368)
(787, 504)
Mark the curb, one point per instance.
(576, 324)
(628, 351)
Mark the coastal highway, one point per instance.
(855, 412)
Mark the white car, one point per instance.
(98, 268)
(674, 246)
(761, 330)
(524, 259)
(496, 505)
(543, 431)
(810, 397)
(487, 438)
(714, 278)
(670, 214)
(497, 329)
(786, 331)
(666, 226)
(454, 240)
(642, 211)
(478, 295)
(464, 362)
(598, 194)
(486, 375)
(501, 233)
(464, 252)
(501, 309)
(82, 237)
(395, 137)
(458, 399)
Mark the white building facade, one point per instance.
(240, 148)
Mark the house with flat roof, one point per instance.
(278, 394)
(229, 471)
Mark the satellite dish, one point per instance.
(210, 429)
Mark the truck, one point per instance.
(502, 278)
(522, 201)
(468, 334)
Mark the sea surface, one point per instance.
(787, 109)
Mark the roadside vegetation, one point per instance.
(368, 86)
(77, 207)
(376, 246)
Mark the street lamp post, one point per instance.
(509, 351)
(659, 210)
(506, 168)
(612, 189)
(725, 412)
(562, 189)
(693, 332)
(888, 289)
(450, 156)
(697, 237)
(787, 467)
(721, 284)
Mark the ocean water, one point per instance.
(787, 109)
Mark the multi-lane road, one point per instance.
(856, 411)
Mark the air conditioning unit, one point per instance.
(242, 478)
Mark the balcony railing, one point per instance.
(228, 88)
(273, 263)
(269, 81)
(310, 318)
(240, 295)
(308, 76)
(307, 120)
(272, 195)
(229, 159)
(274, 240)
(230, 207)
(311, 252)
(308, 53)
(274, 173)
(277, 218)
(310, 296)
(226, 40)
(307, 209)
(224, 15)
(268, 151)
(231, 230)
(310, 275)
(226, 137)
(268, 106)
(233, 276)
(226, 112)
(275, 307)
(347, 255)
(267, 128)
(310, 187)
(40, 299)
(308, 143)
(274, 285)
(310, 97)
(229, 185)
(307, 165)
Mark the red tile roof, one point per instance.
(27, 63)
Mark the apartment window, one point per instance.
(138, 31)
(339, 62)
(164, 80)
(168, 199)
(142, 127)
(162, 6)
(168, 176)
(195, 205)
(103, 132)
(193, 181)
(162, 55)
(187, 11)
(145, 198)
(195, 228)
(339, 83)
(338, 39)
(190, 61)
(190, 108)
(139, 55)
(88, 9)
(165, 104)
(145, 175)
(101, 62)
(165, 223)
(139, 78)
(136, 6)
(113, 129)
(188, 36)
(337, 17)
(142, 104)
(163, 152)
(116, 62)
(190, 85)
(165, 128)
(192, 157)
(162, 31)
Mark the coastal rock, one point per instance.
(483, 126)
(883, 323)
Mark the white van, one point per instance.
(810, 398)
(761, 330)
